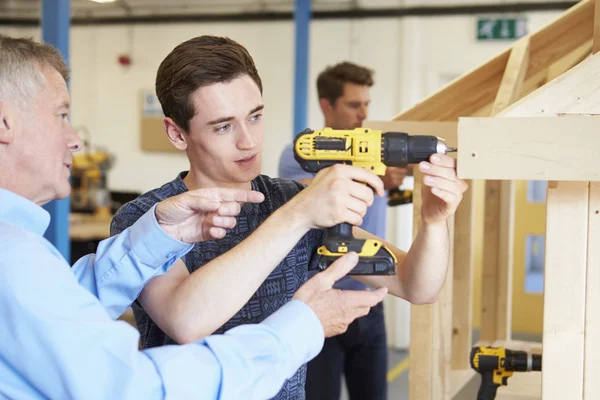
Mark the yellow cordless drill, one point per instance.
(497, 364)
(373, 150)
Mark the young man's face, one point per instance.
(225, 138)
(349, 110)
(38, 154)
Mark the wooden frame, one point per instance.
(526, 80)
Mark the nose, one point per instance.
(246, 141)
(73, 140)
(362, 113)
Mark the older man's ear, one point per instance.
(6, 124)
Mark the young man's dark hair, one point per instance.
(330, 83)
(198, 62)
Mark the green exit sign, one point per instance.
(501, 28)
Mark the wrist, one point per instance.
(433, 226)
(296, 214)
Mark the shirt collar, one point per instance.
(22, 212)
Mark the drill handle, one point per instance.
(487, 389)
(343, 230)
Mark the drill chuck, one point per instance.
(400, 149)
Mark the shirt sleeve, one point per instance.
(124, 263)
(51, 324)
(289, 167)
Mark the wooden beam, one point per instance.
(591, 383)
(538, 80)
(565, 291)
(514, 75)
(569, 61)
(577, 91)
(496, 296)
(596, 27)
(478, 87)
(559, 148)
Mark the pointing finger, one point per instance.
(228, 194)
(240, 195)
(229, 209)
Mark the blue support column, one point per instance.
(56, 16)
(302, 20)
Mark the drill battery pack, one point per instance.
(373, 257)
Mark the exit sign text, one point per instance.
(501, 28)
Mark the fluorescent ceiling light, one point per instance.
(103, 1)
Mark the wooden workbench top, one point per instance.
(84, 227)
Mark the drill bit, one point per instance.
(451, 150)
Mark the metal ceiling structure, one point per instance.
(140, 10)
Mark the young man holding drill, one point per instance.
(211, 95)
(360, 354)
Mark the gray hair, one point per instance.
(21, 61)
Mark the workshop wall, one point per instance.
(412, 57)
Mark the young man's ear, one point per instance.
(6, 124)
(326, 107)
(175, 134)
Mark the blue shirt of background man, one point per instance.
(277, 290)
(60, 341)
(373, 222)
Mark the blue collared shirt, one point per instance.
(59, 339)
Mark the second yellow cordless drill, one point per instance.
(497, 364)
(373, 150)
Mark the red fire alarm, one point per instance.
(124, 60)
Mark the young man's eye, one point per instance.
(222, 128)
(64, 115)
(256, 117)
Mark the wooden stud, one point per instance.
(596, 47)
(496, 294)
(462, 296)
(591, 383)
(565, 291)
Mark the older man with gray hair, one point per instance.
(59, 337)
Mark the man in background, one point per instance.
(360, 353)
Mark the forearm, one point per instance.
(424, 268)
(237, 273)
(124, 263)
(420, 273)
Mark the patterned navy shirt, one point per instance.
(276, 290)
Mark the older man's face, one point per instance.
(42, 143)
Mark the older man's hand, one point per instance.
(336, 309)
(203, 214)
